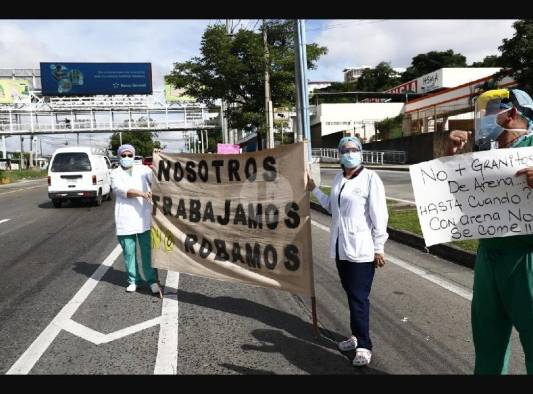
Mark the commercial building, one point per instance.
(329, 122)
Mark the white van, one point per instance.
(79, 173)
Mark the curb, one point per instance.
(448, 252)
(11, 183)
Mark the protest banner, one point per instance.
(239, 218)
(474, 195)
(228, 148)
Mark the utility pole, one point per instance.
(268, 101)
(302, 106)
(4, 147)
(21, 152)
(223, 104)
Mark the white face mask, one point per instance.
(351, 159)
(126, 162)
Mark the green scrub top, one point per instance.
(516, 241)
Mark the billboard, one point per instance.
(174, 95)
(83, 79)
(12, 90)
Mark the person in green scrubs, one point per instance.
(503, 274)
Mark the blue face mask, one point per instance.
(126, 162)
(489, 129)
(351, 159)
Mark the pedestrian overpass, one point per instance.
(104, 114)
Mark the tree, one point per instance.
(232, 68)
(142, 141)
(335, 87)
(488, 61)
(390, 128)
(424, 63)
(517, 55)
(378, 79)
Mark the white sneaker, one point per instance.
(131, 288)
(155, 288)
(347, 345)
(362, 357)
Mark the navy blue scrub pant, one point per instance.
(356, 279)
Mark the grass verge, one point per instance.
(404, 217)
(16, 175)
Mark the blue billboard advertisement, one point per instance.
(85, 79)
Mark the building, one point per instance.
(352, 74)
(314, 85)
(446, 109)
(444, 78)
(330, 122)
(31, 75)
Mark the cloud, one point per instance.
(20, 48)
(367, 42)
(26, 43)
(160, 42)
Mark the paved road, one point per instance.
(54, 319)
(397, 183)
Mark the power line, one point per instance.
(346, 24)
(234, 27)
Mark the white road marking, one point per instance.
(19, 190)
(166, 362)
(460, 291)
(400, 200)
(4, 220)
(30, 357)
(98, 338)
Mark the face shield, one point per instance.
(487, 107)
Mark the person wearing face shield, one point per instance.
(133, 217)
(357, 238)
(503, 273)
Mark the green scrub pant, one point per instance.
(502, 298)
(129, 250)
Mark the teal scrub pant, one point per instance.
(129, 250)
(502, 298)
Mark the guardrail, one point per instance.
(331, 155)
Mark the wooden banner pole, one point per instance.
(316, 331)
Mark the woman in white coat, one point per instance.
(358, 233)
(133, 216)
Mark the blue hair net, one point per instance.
(125, 147)
(355, 140)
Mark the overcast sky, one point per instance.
(25, 43)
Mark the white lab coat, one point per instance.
(132, 215)
(360, 222)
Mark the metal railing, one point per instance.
(331, 155)
(84, 126)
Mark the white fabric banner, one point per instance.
(474, 195)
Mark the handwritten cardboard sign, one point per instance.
(474, 195)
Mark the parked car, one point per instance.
(138, 160)
(78, 173)
(148, 161)
(115, 162)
